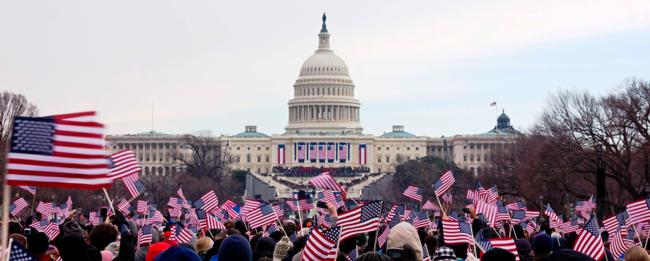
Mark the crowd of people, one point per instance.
(116, 239)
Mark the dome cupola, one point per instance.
(323, 99)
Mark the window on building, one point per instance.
(471, 146)
(237, 148)
(379, 158)
(464, 158)
(471, 157)
(259, 158)
(478, 157)
(387, 159)
(248, 157)
(417, 148)
(267, 158)
(259, 148)
(378, 148)
(408, 148)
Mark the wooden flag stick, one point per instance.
(646, 240)
(6, 191)
(440, 204)
(374, 246)
(110, 202)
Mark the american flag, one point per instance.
(502, 214)
(133, 184)
(332, 197)
(413, 192)
(320, 245)
(45, 208)
(230, 207)
(213, 223)
(570, 226)
(428, 205)
(613, 223)
(330, 152)
(619, 245)
(180, 194)
(30, 189)
(312, 152)
(93, 218)
(208, 202)
(488, 210)
(638, 211)
(507, 244)
(532, 213)
(19, 253)
(362, 219)
(447, 197)
(381, 239)
(124, 206)
(18, 206)
(263, 215)
(395, 211)
(471, 195)
(302, 204)
(489, 195)
(155, 217)
(528, 226)
(51, 230)
(425, 253)
(176, 202)
(144, 235)
(422, 220)
(142, 207)
(180, 234)
(589, 241)
(174, 212)
(269, 230)
(123, 163)
(279, 210)
(585, 205)
(518, 216)
(457, 232)
(444, 183)
(550, 213)
(516, 206)
(249, 205)
(325, 181)
(58, 151)
(321, 152)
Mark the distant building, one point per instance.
(324, 130)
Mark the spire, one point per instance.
(324, 27)
(324, 37)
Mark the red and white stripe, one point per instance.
(507, 244)
(124, 164)
(78, 158)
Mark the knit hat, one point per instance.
(444, 253)
(404, 234)
(282, 248)
(179, 253)
(156, 249)
(235, 247)
(523, 246)
(542, 244)
(72, 227)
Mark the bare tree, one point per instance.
(12, 105)
(200, 156)
(577, 128)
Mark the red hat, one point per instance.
(156, 249)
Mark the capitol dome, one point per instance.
(324, 63)
(323, 101)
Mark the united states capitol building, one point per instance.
(324, 133)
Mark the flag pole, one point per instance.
(440, 204)
(110, 203)
(34, 201)
(374, 246)
(6, 191)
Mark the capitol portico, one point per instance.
(324, 130)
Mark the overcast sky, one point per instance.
(433, 66)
